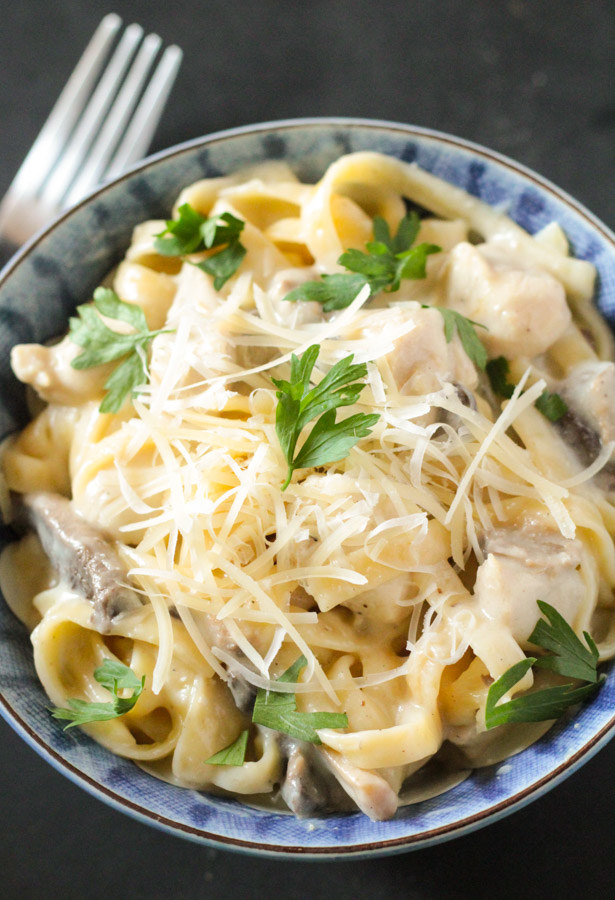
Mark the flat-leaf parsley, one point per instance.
(102, 345)
(328, 441)
(570, 657)
(192, 233)
(114, 676)
(389, 259)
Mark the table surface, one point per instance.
(534, 80)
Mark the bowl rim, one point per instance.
(406, 843)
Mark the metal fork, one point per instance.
(100, 124)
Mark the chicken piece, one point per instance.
(589, 388)
(421, 359)
(523, 566)
(82, 556)
(373, 795)
(523, 308)
(49, 371)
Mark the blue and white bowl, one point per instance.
(59, 268)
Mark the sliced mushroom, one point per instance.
(467, 398)
(589, 388)
(579, 435)
(243, 692)
(216, 635)
(309, 788)
(589, 423)
(81, 554)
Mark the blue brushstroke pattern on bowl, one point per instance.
(61, 267)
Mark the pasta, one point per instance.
(406, 573)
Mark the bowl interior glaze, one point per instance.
(58, 269)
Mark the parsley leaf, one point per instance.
(114, 676)
(407, 231)
(191, 233)
(333, 291)
(570, 657)
(454, 321)
(388, 260)
(552, 406)
(224, 263)
(539, 706)
(328, 440)
(497, 371)
(278, 711)
(102, 345)
(185, 233)
(233, 755)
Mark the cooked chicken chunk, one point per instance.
(523, 309)
(373, 795)
(421, 360)
(523, 566)
(49, 371)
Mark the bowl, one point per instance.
(60, 267)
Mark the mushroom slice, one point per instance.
(82, 555)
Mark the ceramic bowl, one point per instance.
(59, 269)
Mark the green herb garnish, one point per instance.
(388, 260)
(114, 676)
(497, 371)
(102, 345)
(455, 322)
(233, 755)
(278, 711)
(569, 657)
(191, 233)
(552, 406)
(328, 441)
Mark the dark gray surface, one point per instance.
(534, 80)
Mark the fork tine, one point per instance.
(147, 114)
(94, 114)
(54, 133)
(115, 123)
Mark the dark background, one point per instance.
(534, 80)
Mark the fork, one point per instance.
(100, 124)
